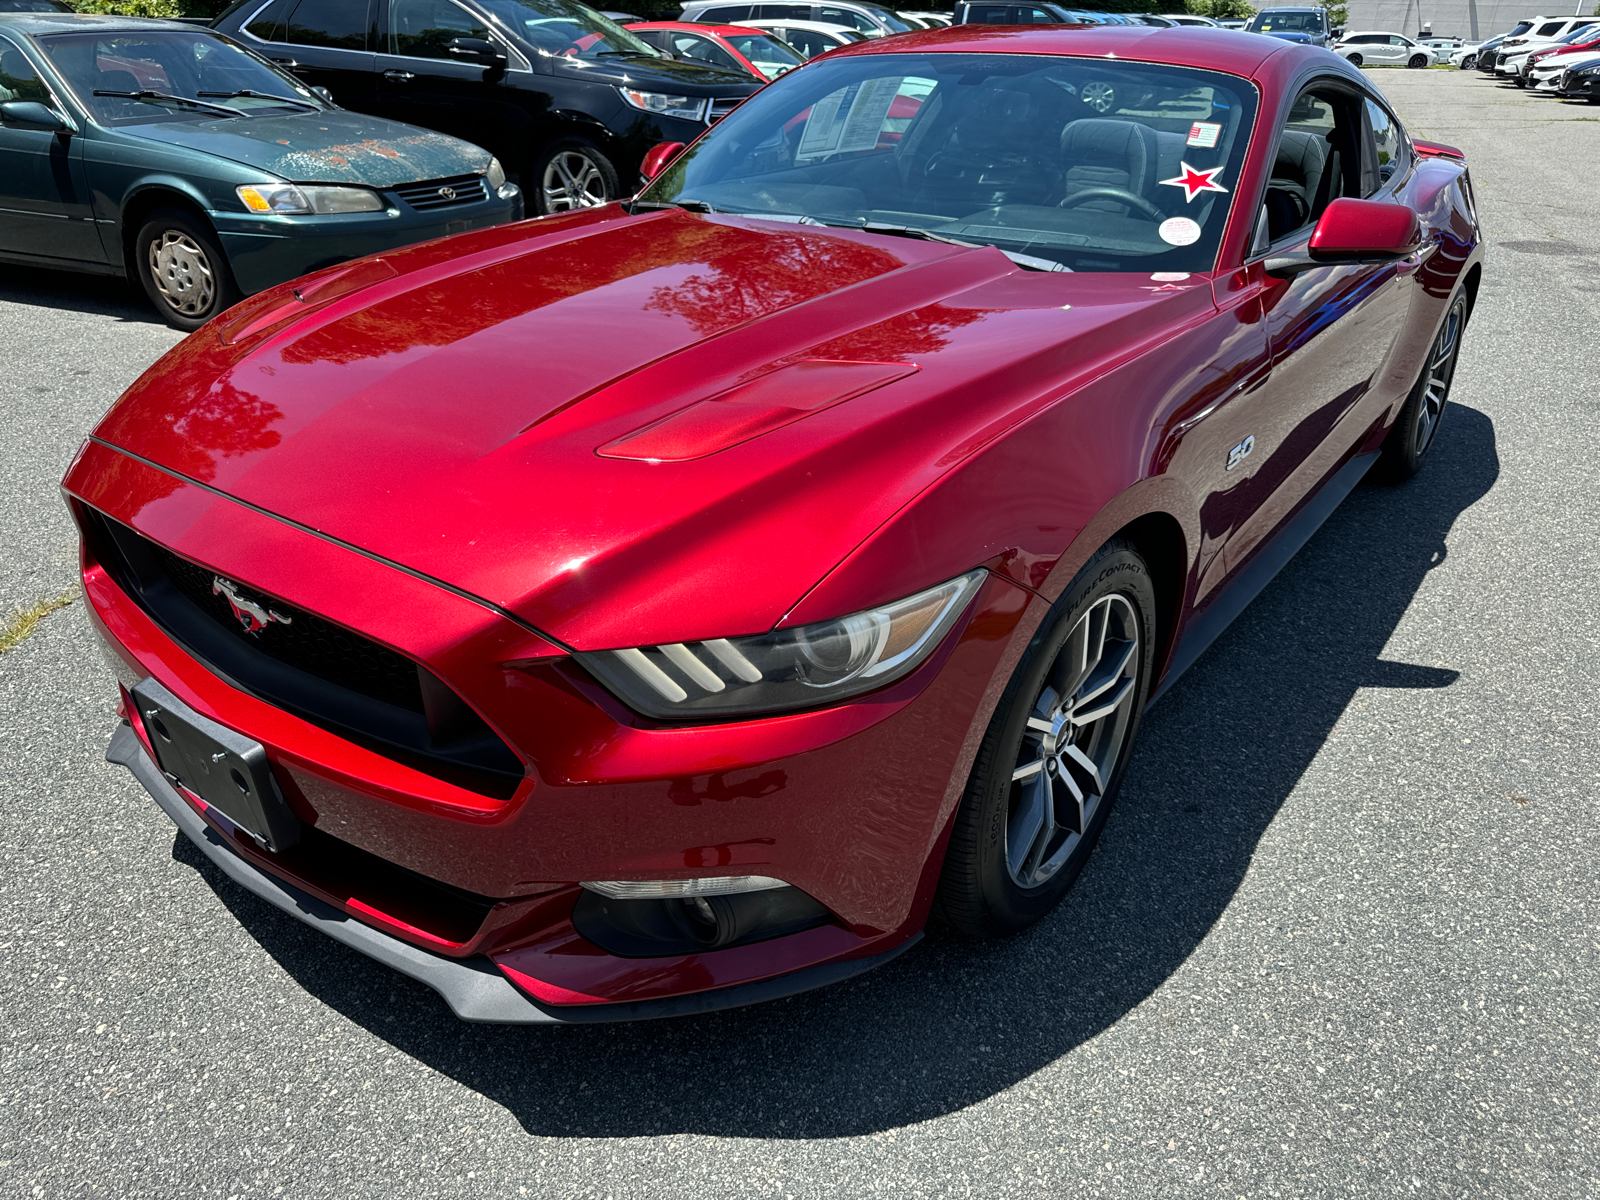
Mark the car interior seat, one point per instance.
(988, 157)
(1104, 152)
(1297, 182)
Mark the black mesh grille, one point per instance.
(722, 107)
(444, 193)
(306, 641)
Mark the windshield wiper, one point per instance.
(1029, 261)
(168, 98)
(259, 96)
(694, 206)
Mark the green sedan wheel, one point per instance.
(183, 269)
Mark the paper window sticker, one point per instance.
(1204, 135)
(823, 126)
(1179, 231)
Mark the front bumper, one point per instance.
(265, 251)
(836, 803)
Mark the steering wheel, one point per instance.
(1123, 195)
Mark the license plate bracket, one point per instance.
(224, 768)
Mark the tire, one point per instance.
(1417, 62)
(183, 268)
(1468, 64)
(1018, 845)
(1416, 428)
(570, 174)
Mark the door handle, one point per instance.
(399, 76)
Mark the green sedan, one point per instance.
(170, 153)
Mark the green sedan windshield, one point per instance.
(128, 78)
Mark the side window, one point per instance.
(1387, 141)
(1318, 160)
(340, 24)
(845, 17)
(725, 14)
(271, 22)
(1038, 16)
(701, 49)
(988, 14)
(808, 42)
(1396, 40)
(18, 79)
(783, 12)
(425, 28)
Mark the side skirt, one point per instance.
(1260, 571)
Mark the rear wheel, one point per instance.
(1049, 766)
(1355, 60)
(571, 174)
(183, 269)
(1417, 427)
(1417, 62)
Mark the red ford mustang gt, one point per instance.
(671, 605)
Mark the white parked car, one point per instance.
(1465, 56)
(932, 20)
(871, 19)
(1514, 65)
(1377, 49)
(811, 38)
(1191, 19)
(1440, 48)
(1546, 76)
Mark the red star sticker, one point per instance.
(1194, 182)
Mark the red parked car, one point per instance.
(671, 605)
(737, 47)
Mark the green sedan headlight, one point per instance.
(805, 667)
(496, 175)
(288, 199)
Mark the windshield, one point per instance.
(1090, 164)
(199, 67)
(767, 54)
(892, 21)
(1287, 22)
(559, 27)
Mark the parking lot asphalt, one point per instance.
(1341, 938)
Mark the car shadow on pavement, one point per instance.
(70, 291)
(952, 1023)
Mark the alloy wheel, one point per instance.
(1074, 737)
(1098, 96)
(1437, 375)
(182, 273)
(573, 180)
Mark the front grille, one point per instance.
(722, 107)
(444, 193)
(306, 642)
(324, 673)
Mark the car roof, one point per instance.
(796, 23)
(727, 30)
(1191, 45)
(59, 22)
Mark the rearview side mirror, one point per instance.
(657, 158)
(479, 50)
(30, 114)
(1354, 232)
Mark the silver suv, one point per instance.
(871, 19)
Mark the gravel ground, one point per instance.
(1341, 937)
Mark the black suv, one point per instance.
(568, 100)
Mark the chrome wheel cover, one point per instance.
(1436, 378)
(1074, 737)
(1098, 96)
(573, 180)
(182, 273)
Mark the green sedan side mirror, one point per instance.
(30, 114)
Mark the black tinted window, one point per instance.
(271, 22)
(988, 14)
(725, 14)
(783, 12)
(338, 23)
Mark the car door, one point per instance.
(326, 43)
(45, 209)
(420, 81)
(1330, 329)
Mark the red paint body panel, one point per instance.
(426, 448)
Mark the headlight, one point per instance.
(496, 175)
(287, 199)
(806, 667)
(690, 108)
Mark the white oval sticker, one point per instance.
(1169, 277)
(1179, 231)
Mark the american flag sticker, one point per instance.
(1204, 134)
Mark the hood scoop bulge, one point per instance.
(752, 408)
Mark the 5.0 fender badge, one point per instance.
(1241, 452)
(252, 617)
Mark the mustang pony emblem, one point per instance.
(251, 616)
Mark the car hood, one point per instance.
(472, 409)
(333, 146)
(659, 75)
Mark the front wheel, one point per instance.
(1468, 64)
(572, 174)
(183, 269)
(1418, 61)
(1417, 427)
(1050, 763)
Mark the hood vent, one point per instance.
(748, 410)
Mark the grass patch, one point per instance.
(15, 631)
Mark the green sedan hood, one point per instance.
(326, 147)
